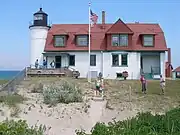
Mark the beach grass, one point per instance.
(3, 81)
(12, 101)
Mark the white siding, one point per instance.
(133, 67)
(82, 62)
(104, 63)
(162, 63)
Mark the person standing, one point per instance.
(162, 84)
(44, 64)
(52, 64)
(36, 64)
(143, 84)
(97, 85)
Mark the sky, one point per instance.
(16, 15)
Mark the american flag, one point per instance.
(93, 17)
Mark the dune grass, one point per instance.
(3, 81)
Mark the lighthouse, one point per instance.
(38, 35)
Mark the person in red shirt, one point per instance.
(143, 83)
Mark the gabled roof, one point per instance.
(82, 31)
(177, 69)
(98, 36)
(60, 32)
(119, 27)
(140, 28)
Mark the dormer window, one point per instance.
(120, 40)
(148, 40)
(82, 40)
(59, 40)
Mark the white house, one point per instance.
(132, 47)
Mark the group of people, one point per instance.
(144, 84)
(100, 85)
(52, 64)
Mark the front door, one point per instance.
(58, 61)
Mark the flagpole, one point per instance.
(89, 45)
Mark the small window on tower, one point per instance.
(38, 17)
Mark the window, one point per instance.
(124, 60)
(72, 60)
(120, 40)
(82, 40)
(59, 40)
(148, 40)
(38, 17)
(115, 60)
(93, 60)
(115, 40)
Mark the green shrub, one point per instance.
(11, 127)
(66, 92)
(142, 124)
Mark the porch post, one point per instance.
(102, 63)
(138, 65)
(47, 61)
(162, 64)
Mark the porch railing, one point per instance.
(11, 85)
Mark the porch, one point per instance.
(60, 60)
(62, 63)
(152, 64)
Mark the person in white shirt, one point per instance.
(162, 84)
(52, 64)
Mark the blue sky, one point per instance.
(16, 15)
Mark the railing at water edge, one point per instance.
(11, 85)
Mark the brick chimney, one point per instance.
(169, 55)
(103, 17)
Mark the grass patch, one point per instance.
(142, 124)
(3, 81)
(153, 87)
(12, 102)
(118, 94)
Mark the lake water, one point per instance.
(7, 75)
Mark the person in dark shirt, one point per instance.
(44, 63)
(143, 83)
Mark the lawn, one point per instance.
(120, 93)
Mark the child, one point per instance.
(98, 85)
(162, 84)
(143, 83)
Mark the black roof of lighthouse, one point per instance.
(40, 12)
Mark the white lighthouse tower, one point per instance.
(38, 35)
